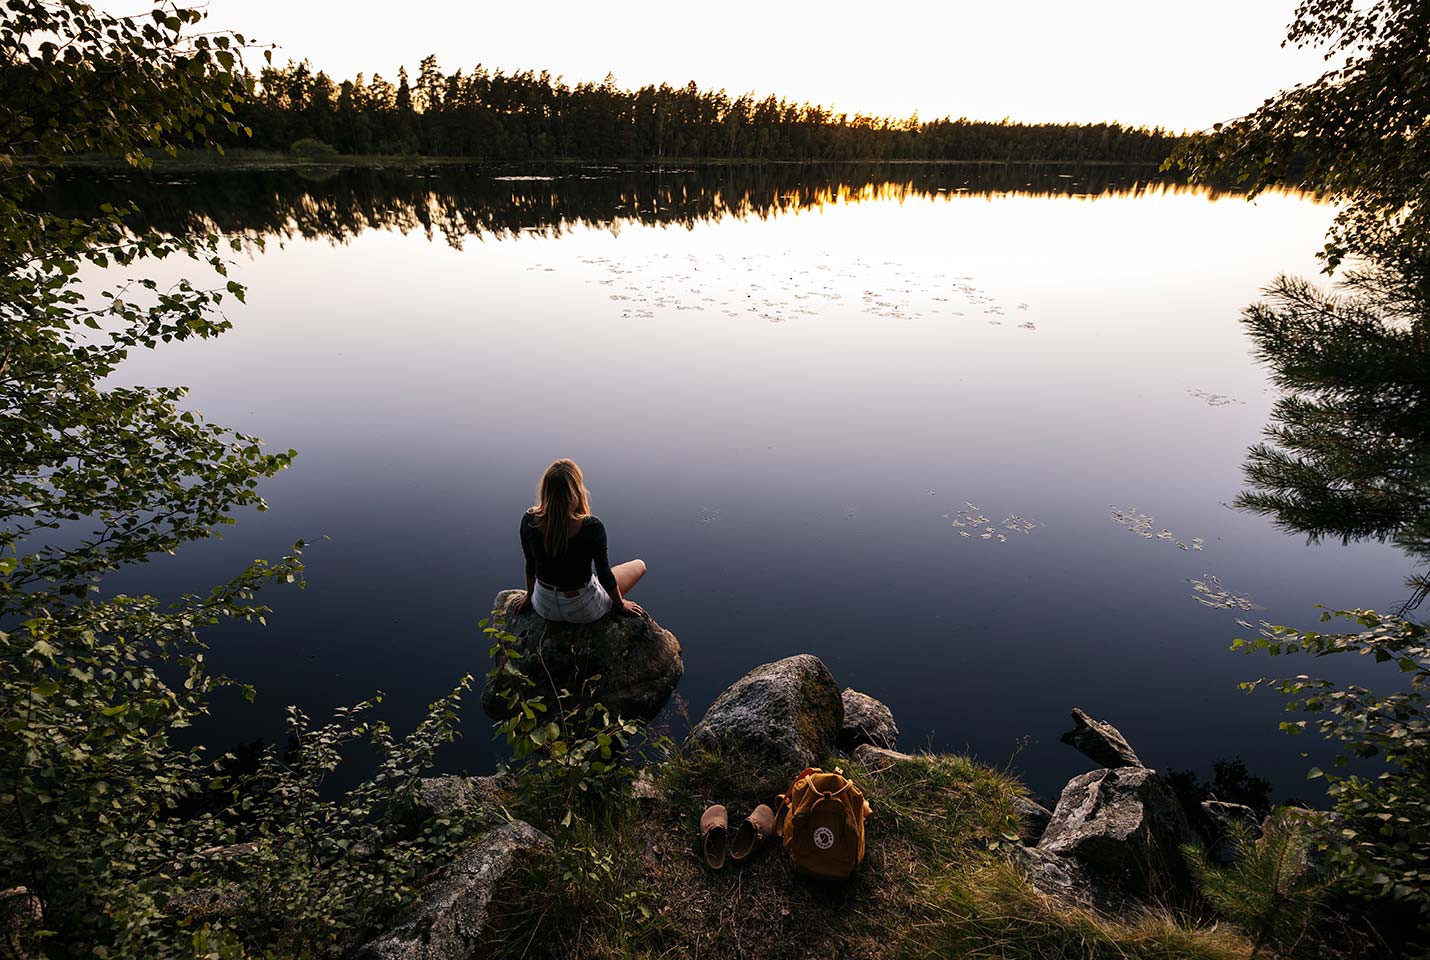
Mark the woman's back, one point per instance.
(571, 569)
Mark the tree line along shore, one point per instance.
(528, 115)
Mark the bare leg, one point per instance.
(628, 574)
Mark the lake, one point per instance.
(967, 433)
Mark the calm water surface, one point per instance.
(968, 436)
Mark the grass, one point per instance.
(631, 883)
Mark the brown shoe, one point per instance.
(715, 834)
(758, 827)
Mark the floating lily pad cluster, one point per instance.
(1145, 527)
(973, 525)
(776, 288)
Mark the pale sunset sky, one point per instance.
(1137, 61)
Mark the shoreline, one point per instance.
(243, 159)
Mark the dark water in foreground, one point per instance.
(966, 433)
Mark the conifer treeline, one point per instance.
(490, 114)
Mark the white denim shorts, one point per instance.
(590, 604)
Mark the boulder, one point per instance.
(1100, 742)
(877, 759)
(451, 912)
(1034, 817)
(866, 720)
(1123, 827)
(785, 714)
(637, 659)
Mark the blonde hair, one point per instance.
(561, 497)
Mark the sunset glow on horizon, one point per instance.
(1032, 61)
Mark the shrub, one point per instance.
(311, 148)
(569, 756)
(1269, 888)
(1384, 842)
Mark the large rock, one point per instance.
(447, 922)
(637, 659)
(1100, 742)
(866, 720)
(786, 714)
(1123, 827)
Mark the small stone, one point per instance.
(1034, 817)
(877, 759)
(643, 787)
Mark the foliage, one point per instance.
(126, 836)
(311, 149)
(1384, 842)
(298, 870)
(528, 115)
(1349, 455)
(569, 755)
(1270, 889)
(1356, 132)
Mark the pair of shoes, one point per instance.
(715, 834)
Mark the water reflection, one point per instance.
(1348, 455)
(815, 372)
(461, 202)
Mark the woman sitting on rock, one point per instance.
(562, 542)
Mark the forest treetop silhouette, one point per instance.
(491, 114)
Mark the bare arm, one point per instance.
(525, 602)
(619, 604)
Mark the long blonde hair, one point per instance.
(561, 497)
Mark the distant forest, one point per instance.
(493, 115)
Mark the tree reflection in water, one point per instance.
(458, 202)
(1348, 447)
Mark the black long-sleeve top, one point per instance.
(572, 569)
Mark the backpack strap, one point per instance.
(782, 802)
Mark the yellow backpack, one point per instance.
(821, 824)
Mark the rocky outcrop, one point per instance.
(866, 720)
(1122, 828)
(786, 714)
(637, 659)
(447, 922)
(1100, 742)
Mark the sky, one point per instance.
(1180, 66)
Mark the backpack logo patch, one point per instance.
(824, 838)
